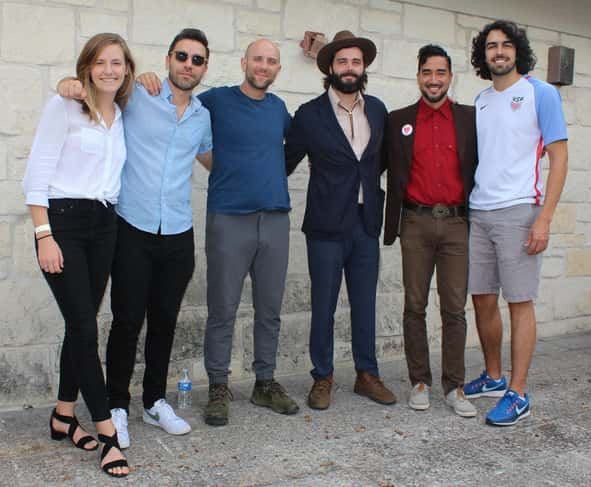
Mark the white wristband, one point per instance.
(43, 228)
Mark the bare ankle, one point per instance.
(494, 373)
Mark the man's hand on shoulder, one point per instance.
(71, 88)
(151, 82)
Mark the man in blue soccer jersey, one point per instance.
(518, 118)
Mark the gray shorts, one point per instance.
(498, 258)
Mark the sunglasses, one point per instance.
(196, 59)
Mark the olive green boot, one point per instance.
(218, 406)
(270, 394)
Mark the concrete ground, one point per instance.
(354, 443)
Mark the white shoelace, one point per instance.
(165, 410)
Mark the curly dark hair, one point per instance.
(525, 57)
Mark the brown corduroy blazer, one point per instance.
(397, 152)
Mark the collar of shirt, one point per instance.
(166, 94)
(117, 117)
(335, 101)
(425, 111)
(357, 129)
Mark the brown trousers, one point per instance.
(434, 243)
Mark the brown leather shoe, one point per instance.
(319, 397)
(371, 386)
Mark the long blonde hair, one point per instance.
(86, 60)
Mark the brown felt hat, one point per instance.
(342, 40)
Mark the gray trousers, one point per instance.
(258, 244)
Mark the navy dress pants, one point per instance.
(358, 255)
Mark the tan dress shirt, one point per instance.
(354, 124)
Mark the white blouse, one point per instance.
(73, 157)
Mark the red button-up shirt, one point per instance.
(435, 175)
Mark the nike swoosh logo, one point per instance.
(155, 417)
(492, 388)
(483, 107)
(518, 410)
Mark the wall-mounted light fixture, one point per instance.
(312, 43)
(561, 65)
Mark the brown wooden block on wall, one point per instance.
(561, 65)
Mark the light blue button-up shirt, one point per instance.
(156, 179)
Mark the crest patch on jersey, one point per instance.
(516, 102)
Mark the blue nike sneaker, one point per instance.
(485, 386)
(510, 409)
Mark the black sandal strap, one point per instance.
(111, 442)
(115, 464)
(73, 423)
(72, 429)
(84, 441)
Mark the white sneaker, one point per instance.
(419, 397)
(458, 402)
(119, 418)
(161, 414)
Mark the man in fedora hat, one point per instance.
(341, 133)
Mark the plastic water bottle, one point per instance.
(184, 390)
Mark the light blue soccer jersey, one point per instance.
(513, 126)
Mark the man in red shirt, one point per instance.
(430, 153)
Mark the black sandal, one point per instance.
(111, 442)
(73, 422)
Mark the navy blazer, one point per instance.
(335, 172)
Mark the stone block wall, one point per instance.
(39, 42)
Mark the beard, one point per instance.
(183, 84)
(337, 82)
(500, 70)
(434, 99)
(252, 81)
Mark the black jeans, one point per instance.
(86, 231)
(149, 277)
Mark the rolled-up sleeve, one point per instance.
(207, 138)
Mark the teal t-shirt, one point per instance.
(248, 173)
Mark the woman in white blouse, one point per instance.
(71, 184)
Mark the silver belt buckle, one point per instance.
(440, 211)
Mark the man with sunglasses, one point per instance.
(155, 254)
(196, 59)
(247, 230)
